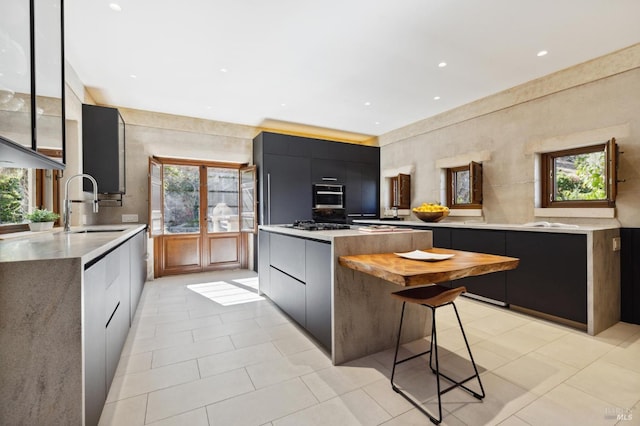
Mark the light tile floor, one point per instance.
(204, 349)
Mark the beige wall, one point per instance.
(148, 134)
(583, 105)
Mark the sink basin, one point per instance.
(549, 225)
(93, 230)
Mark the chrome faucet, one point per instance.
(67, 201)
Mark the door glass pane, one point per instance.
(155, 203)
(247, 197)
(222, 200)
(181, 186)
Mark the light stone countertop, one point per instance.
(328, 235)
(57, 244)
(567, 229)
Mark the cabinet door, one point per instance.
(115, 337)
(552, 274)
(370, 190)
(138, 270)
(491, 285)
(353, 191)
(318, 291)
(103, 148)
(288, 145)
(327, 171)
(362, 195)
(263, 262)
(289, 294)
(287, 190)
(94, 342)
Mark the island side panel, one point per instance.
(40, 342)
(603, 281)
(365, 316)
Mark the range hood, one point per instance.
(18, 156)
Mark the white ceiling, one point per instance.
(319, 63)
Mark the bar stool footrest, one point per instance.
(460, 384)
(415, 404)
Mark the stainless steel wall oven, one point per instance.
(328, 196)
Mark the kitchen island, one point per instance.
(66, 300)
(349, 313)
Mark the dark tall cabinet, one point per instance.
(289, 165)
(103, 148)
(284, 178)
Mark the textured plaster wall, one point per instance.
(506, 131)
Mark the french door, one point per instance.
(200, 215)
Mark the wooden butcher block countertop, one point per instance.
(408, 272)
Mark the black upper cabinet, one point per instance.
(103, 148)
(327, 171)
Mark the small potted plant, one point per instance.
(42, 219)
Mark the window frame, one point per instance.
(39, 187)
(475, 186)
(548, 181)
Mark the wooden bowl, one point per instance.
(431, 216)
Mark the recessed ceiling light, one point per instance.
(115, 7)
(367, 104)
(133, 76)
(224, 70)
(377, 122)
(442, 64)
(435, 98)
(542, 53)
(283, 105)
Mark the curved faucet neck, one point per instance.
(67, 202)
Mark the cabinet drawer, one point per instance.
(289, 294)
(287, 254)
(115, 336)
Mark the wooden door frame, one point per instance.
(203, 237)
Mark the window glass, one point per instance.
(580, 177)
(461, 187)
(464, 186)
(15, 193)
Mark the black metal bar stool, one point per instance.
(433, 297)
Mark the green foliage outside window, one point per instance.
(581, 177)
(12, 195)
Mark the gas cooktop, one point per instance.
(310, 225)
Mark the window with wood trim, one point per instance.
(580, 177)
(464, 186)
(22, 190)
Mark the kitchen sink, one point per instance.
(93, 230)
